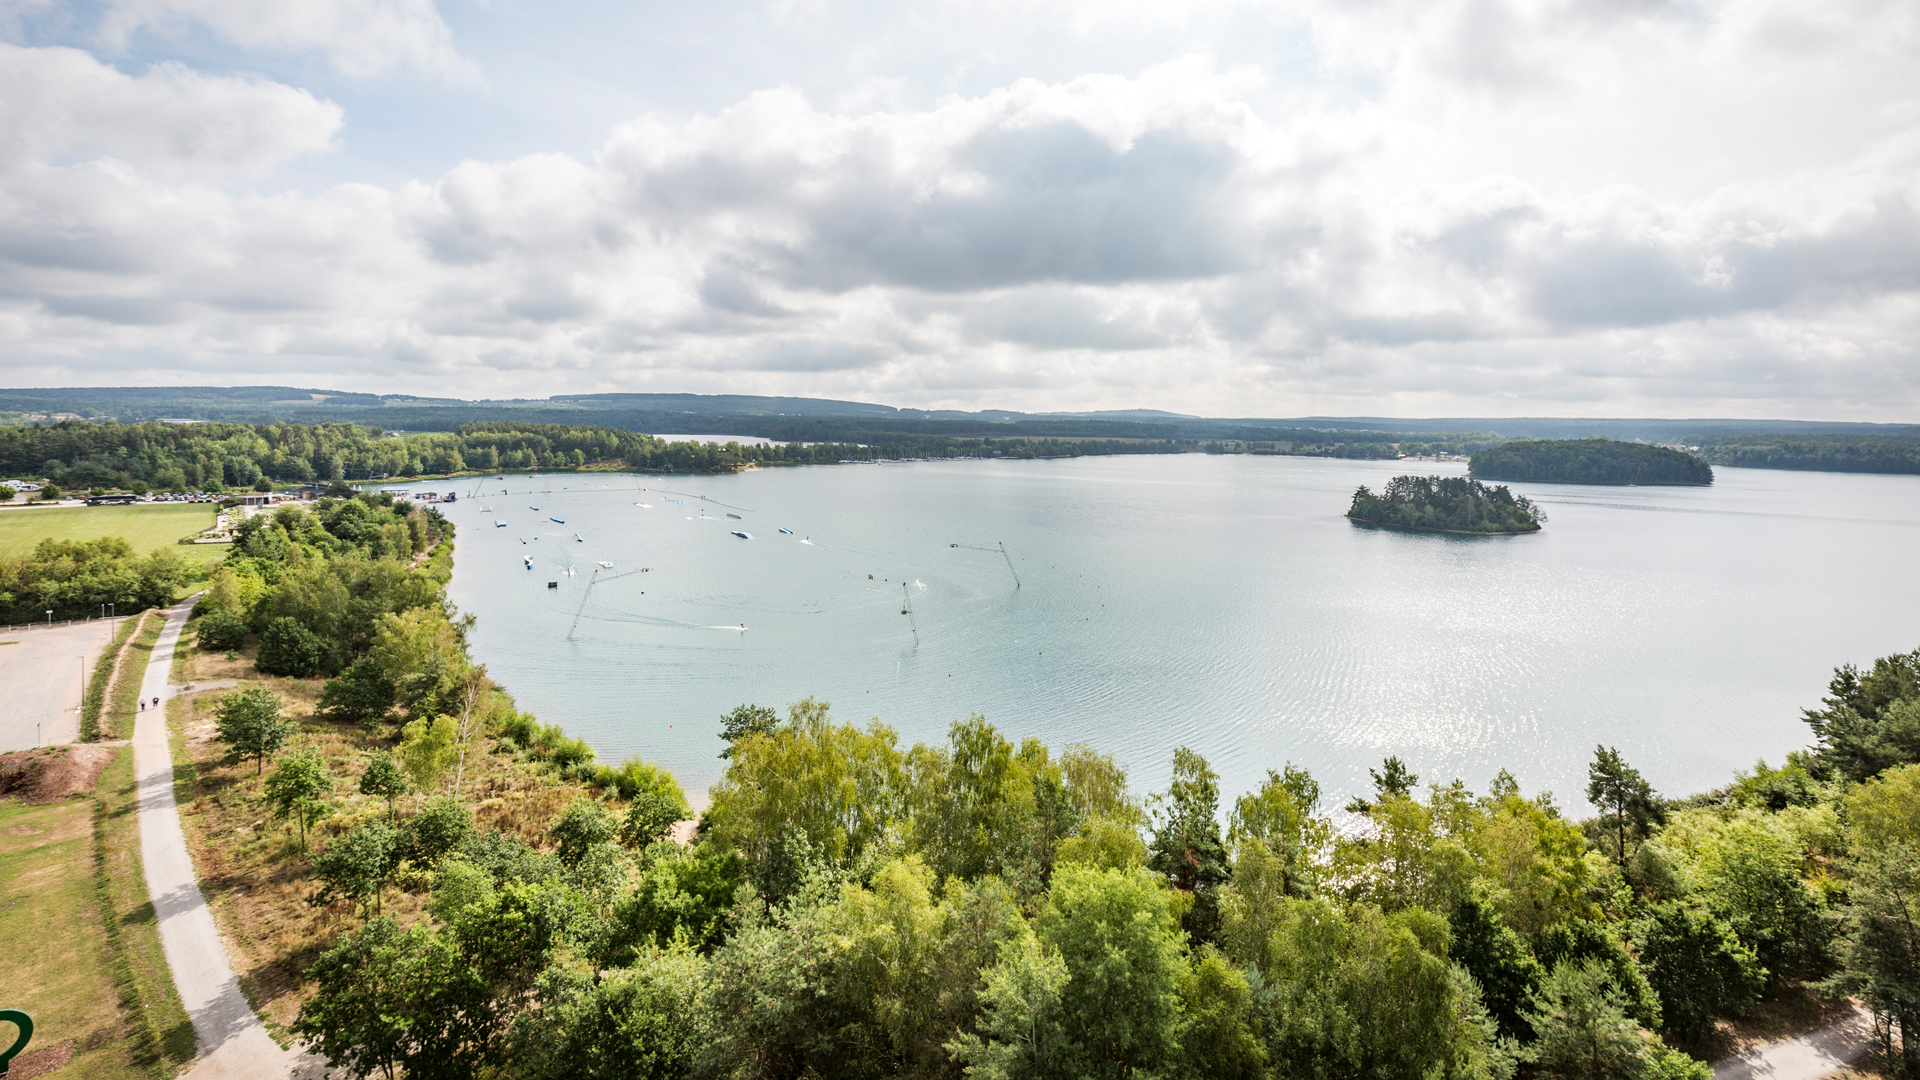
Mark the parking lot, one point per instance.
(44, 672)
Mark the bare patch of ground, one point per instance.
(42, 1062)
(53, 773)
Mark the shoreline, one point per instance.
(1448, 532)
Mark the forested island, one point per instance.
(1588, 461)
(1450, 504)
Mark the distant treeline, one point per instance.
(1589, 461)
(218, 456)
(1827, 453)
(1445, 504)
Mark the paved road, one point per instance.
(45, 673)
(232, 1042)
(1809, 1057)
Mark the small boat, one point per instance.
(580, 538)
(743, 535)
(529, 562)
(789, 532)
(735, 517)
(644, 506)
(533, 508)
(553, 584)
(605, 565)
(558, 521)
(499, 524)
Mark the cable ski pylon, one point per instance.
(1002, 549)
(593, 580)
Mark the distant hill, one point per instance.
(1813, 444)
(1588, 461)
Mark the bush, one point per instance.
(650, 818)
(430, 835)
(1698, 967)
(635, 776)
(287, 648)
(222, 631)
(361, 694)
(356, 866)
(584, 824)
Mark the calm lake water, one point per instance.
(1218, 602)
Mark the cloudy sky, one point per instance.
(1408, 207)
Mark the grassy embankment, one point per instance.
(256, 879)
(114, 690)
(117, 721)
(101, 683)
(147, 528)
(81, 943)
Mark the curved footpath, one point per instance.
(1808, 1057)
(232, 1041)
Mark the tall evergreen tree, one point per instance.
(1619, 791)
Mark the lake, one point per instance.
(1220, 602)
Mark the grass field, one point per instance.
(82, 951)
(147, 528)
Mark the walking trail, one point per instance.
(233, 1044)
(1811, 1056)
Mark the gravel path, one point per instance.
(232, 1042)
(1808, 1057)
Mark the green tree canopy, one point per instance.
(249, 722)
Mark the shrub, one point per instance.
(287, 648)
(360, 695)
(1698, 967)
(438, 829)
(222, 631)
(634, 776)
(584, 824)
(357, 865)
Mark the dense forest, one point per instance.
(1445, 504)
(1830, 453)
(1588, 461)
(993, 907)
(219, 456)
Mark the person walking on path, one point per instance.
(233, 1044)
